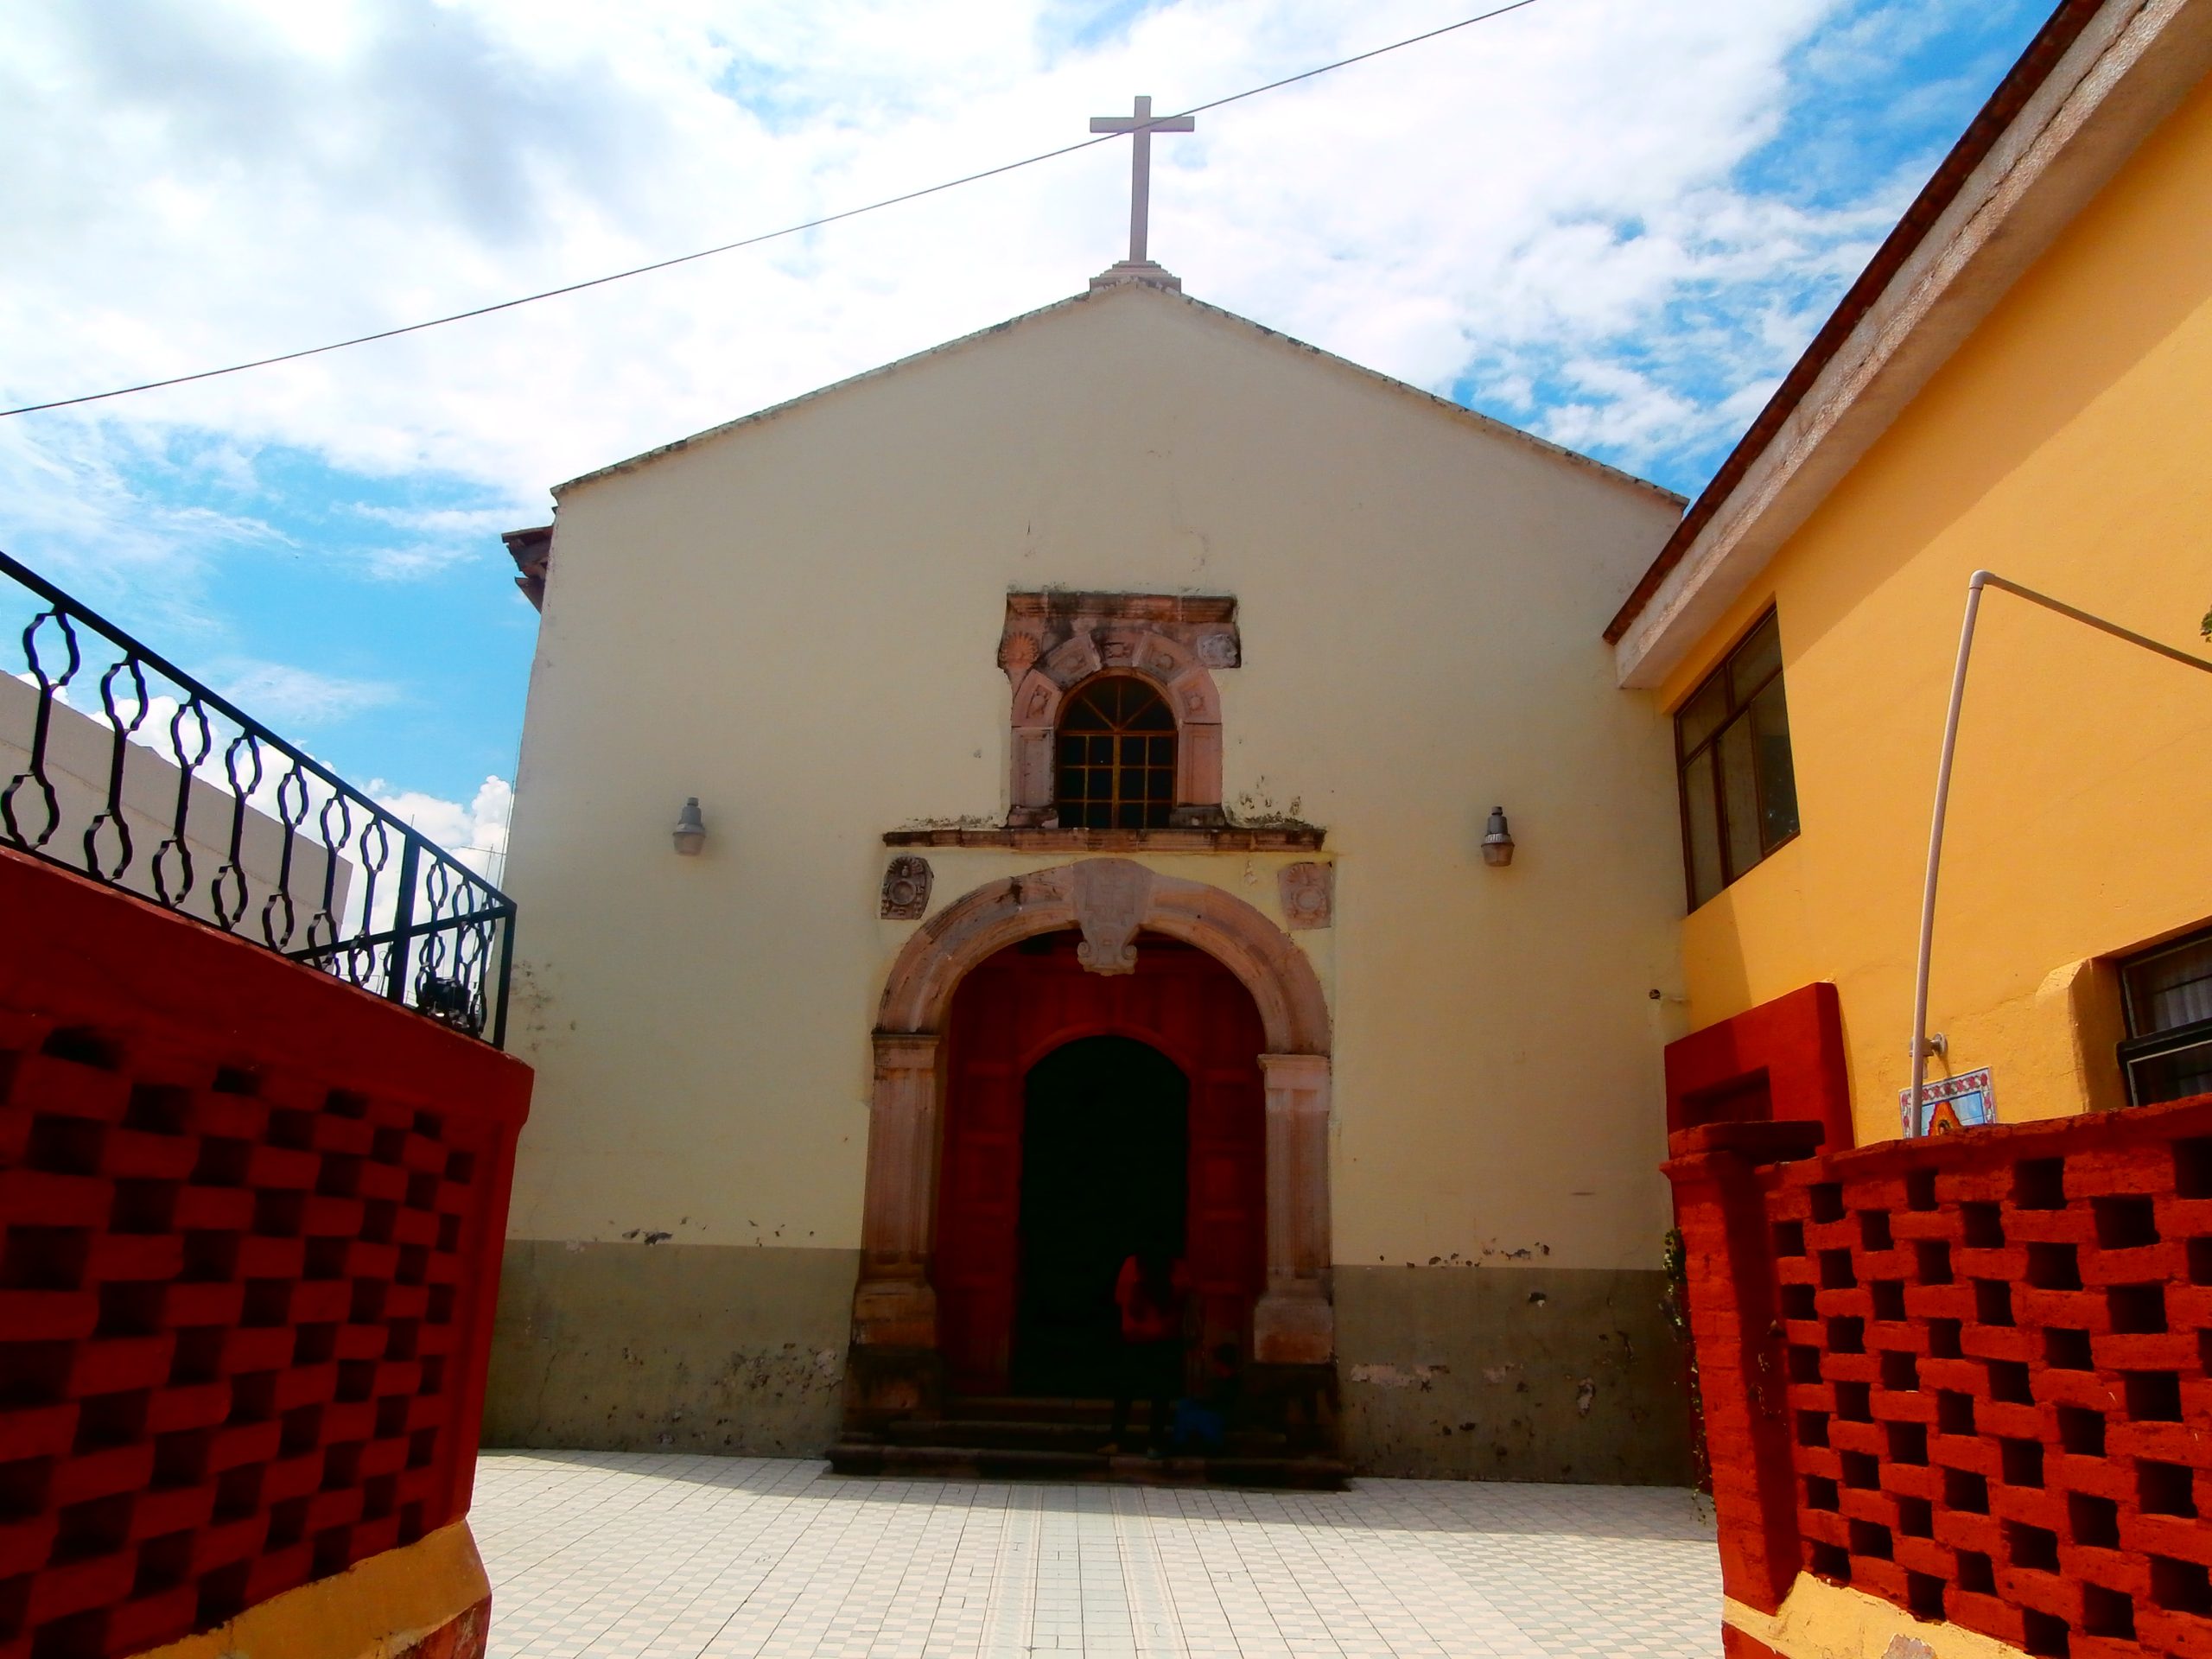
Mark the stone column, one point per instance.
(1036, 714)
(896, 1305)
(1295, 1323)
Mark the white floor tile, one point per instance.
(617, 1555)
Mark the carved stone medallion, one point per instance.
(906, 889)
(1308, 893)
(1111, 897)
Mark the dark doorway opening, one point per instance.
(1105, 1157)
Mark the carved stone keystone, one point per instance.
(1111, 897)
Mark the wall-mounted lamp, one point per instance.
(1497, 840)
(690, 828)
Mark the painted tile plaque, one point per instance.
(1964, 1102)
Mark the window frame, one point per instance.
(2138, 1045)
(1736, 709)
(1157, 812)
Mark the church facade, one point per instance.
(1095, 728)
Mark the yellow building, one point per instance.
(2021, 383)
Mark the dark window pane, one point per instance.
(1769, 724)
(2173, 987)
(2175, 1075)
(1704, 824)
(1755, 662)
(1702, 715)
(1739, 796)
(1121, 773)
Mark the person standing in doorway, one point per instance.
(1151, 1291)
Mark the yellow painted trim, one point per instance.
(374, 1610)
(1820, 1620)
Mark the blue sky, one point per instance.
(1614, 223)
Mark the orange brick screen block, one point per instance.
(251, 1219)
(1971, 1374)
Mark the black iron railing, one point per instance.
(123, 767)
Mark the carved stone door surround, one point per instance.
(1110, 899)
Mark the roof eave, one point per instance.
(2026, 166)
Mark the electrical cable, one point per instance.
(766, 236)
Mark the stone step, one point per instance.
(1038, 1434)
(1027, 1408)
(877, 1457)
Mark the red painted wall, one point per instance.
(1782, 1059)
(250, 1227)
(1971, 1374)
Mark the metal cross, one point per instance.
(1140, 126)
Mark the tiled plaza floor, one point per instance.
(655, 1556)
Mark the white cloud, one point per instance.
(473, 831)
(283, 697)
(434, 537)
(87, 493)
(187, 185)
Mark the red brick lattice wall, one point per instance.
(251, 1218)
(1967, 1375)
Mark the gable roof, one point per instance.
(2096, 80)
(1106, 295)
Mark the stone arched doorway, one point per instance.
(895, 1314)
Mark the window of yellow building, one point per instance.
(1731, 744)
(2167, 991)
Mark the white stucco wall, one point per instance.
(797, 620)
(80, 750)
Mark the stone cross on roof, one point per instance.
(1140, 125)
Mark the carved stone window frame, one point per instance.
(1054, 642)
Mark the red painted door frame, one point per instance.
(1007, 1014)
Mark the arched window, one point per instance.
(1116, 756)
